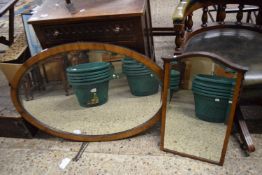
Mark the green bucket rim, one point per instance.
(171, 77)
(174, 73)
(172, 87)
(175, 79)
(218, 86)
(212, 89)
(89, 76)
(137, 65)
(139, 74)
(215, 79)
(211, 95)
(135, 69)
(90, 83)
(87, 79)
(89, 73)
(88, 67)
(145, 72)
(128, 60)
(174, 84)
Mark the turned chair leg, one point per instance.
(27, 86)
(64, 82)
(243, 131)
(63, 76)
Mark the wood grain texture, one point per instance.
(122, 22)
(53, 11)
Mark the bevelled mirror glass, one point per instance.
(89, 92)
(200, 98)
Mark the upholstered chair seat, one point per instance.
(241, 46)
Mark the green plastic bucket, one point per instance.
(211, 109)
(88, 67)
(91, 95)
(143, 85)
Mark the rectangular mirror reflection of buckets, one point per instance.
(198, 112)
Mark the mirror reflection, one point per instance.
(197, 112)
(90, 92)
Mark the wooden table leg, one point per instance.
(4, 41)
(11, 25)
(243, 131)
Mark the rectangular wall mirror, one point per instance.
(200, 95)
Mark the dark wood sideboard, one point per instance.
(122, 22)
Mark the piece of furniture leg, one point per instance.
(243, 131)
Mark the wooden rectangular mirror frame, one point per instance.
(240, 74)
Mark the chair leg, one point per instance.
(63, 77)
(45, 74)
(210, 15)
(27, 85)
(11, 26)
(40, 78)
(248, 17)
(243, 131)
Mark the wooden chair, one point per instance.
(247, 9)
(35, 47)
(234, 39)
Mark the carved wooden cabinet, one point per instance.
(121, 22)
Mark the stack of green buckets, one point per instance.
(213, 97)
(90, 82)
(141, 80)
(174, 81)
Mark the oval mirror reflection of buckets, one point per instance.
(141, 80)
(213, 96)
(90, 82)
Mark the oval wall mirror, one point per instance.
(89, 92)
